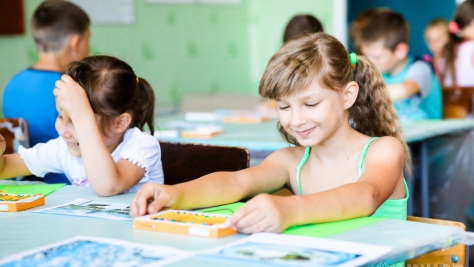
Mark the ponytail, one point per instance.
(463, 15)
(373, 113)
(144, 106)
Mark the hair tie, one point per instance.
(353, 59)
(454, 28)
(138, 80)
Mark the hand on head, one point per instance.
(263, 213)
(151, 198)
(3, 144)
(70, 96)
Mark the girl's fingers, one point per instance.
(67, 79)
(139, 203)
(59, 84)
(247, 218)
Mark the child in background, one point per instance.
(61, 33)
(436, 37)
(360, 22)
(459, 51)
(301, 24)
(348, 157)
(413, 86)
(103, 107)
(297, 26)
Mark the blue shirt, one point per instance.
(29, 95)
(419, 106)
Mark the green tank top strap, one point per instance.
(362, 155)
(298, 168)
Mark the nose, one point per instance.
(297, 117)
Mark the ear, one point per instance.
(401, 50)
(122, 122)
(350, 93)
(73, 43)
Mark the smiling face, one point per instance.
(67, 131)
(313, 115)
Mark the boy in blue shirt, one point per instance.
(61, 33)
(413, 86)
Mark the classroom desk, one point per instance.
(24, 230)
(263, 138)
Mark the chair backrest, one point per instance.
(457, 102)
(453, 256)
(7, 130)
(184, 162)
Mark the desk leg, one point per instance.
(410, 182)
(424, 182)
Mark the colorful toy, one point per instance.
(17, 202)
(186, 223)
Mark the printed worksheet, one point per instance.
(91, 208)
(290, 250)
(90, 251)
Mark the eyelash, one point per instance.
(308, 105)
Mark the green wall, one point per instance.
(186, 49)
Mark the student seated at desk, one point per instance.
(348, 157)
(412, 84)
(61, 33)
(103, 107)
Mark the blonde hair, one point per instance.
(322, 57)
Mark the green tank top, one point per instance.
(391, 208)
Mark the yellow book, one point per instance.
(17, 202)
(185, 223)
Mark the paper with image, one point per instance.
(89, 251)
(277, 249)
(91, 208)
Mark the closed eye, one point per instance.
(283, 107)
(311, 104)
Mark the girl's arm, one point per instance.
(105, 176)
(213, 189)
(11, 165)
(381, 179)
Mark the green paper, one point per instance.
(313, 230)
(30, 189)
(330, 228)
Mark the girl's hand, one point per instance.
(3, 144)
(70, 96)
(151, 198)
(263, 213)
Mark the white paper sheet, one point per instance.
(277, 249)
(91, 251)
(91, 208)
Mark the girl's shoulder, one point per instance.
(289, 155)
(384, 145)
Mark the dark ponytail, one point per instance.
(144, 106)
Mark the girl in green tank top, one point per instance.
(330, 106)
